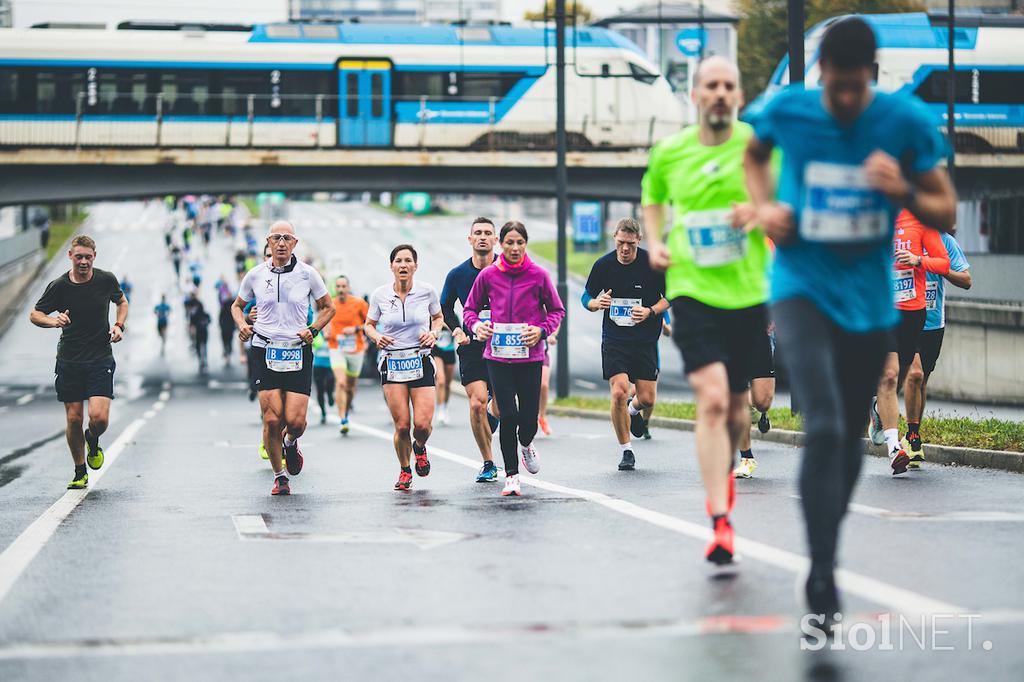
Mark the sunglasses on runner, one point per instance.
(280, 238)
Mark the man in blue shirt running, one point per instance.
(852, 157)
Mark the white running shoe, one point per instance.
(875, 430)
(444, 418)
(746, 468)
(512, 486)
(531, 460)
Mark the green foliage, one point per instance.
(583, 13)
(61, 231)
(762, 33)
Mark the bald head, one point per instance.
(716, 92)
(718, 66)
(281, 227)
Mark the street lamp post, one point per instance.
(562, 198)
(951, 95)
(796, 41)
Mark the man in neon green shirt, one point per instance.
(716, 263)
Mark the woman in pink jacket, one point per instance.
(523, 309)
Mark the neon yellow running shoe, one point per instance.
(94, 453)
(746, 468)
(80, 483)
(263, 452)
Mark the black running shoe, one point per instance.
(637, 425)
(293, 458)
(764, 425)
(628, 462)
(647, 430)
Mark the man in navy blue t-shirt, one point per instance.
(631, 296)
(472, 369)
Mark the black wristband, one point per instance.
(543, 333)
(313, 330)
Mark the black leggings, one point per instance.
(833, 374)
(518, 423)
(323, 377)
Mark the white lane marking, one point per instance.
(585, 384)
(165, 395)
(890, 596)
(253, 527)
(962, 516)
(25, 399)
(20, 553)
(438, 634)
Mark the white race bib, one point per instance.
(621, 312)
(284, 356)
(507, 341)
(712, 239)
(404, 365)
(840, 206)
(347, 343)
(931, 295)
(903, 285)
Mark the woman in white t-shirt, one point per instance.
(404, 322)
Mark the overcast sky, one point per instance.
(28, 12)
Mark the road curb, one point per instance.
(936, 454)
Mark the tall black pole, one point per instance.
(562, 197)
(796, 41)
(951, 95)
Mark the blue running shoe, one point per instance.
(488, 473)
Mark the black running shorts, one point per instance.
(638, 360)
(78, 381)
(268, 380)
(929, 345)
(705, 335)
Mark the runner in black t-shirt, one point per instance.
(85, 366)
(631, 295)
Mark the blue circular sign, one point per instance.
(691, 40)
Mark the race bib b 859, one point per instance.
(507, 341)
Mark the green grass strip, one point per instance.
(579, 263)
(60, 231)
(983, 434)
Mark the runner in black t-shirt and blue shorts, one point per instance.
(84, 372)
(631, 296)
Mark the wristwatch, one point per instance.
(121, 326)
(313, 330)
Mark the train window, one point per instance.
(320, 31)
(641, 74)
(107, 94)
(46, 92)
(1001, 87)
(933, 89)
(411, 85)
(352, 95)
(376, 95)
(299, 90)
(8, 91)
(416, 84)
(236, 86)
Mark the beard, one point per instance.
(719, 121)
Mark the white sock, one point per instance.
(279, 473)
(289, 441)
(892, 439)
(632, 410)
(628, 445)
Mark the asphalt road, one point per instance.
(179, 565)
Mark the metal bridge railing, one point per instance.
(164, 120)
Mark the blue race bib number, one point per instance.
(284, 358)
(840, 205)
(404, 366)
(931, 296)
(507, 341)
(712, 239)
(903, 285)
(621, 311)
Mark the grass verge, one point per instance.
(983, 434)
(579, 263)
(60, 230)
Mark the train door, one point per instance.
(364, 102)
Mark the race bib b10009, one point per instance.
(404, 365)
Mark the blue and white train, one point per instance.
(912, 57)
(326, 85)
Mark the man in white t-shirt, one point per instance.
(281, 356)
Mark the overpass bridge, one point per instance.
(41, 174)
